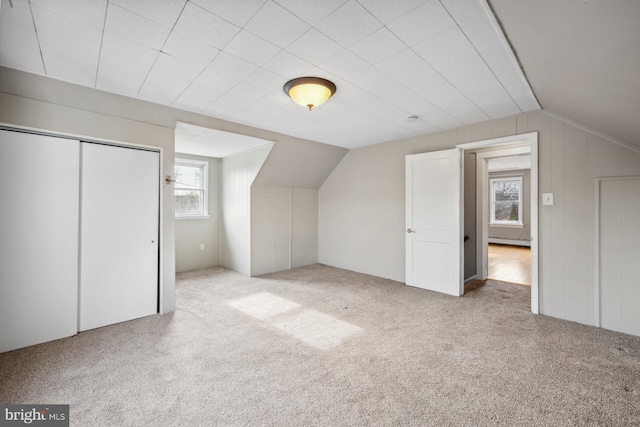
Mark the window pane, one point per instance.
(506, 211)
(506, 190)
(188, 177)
(189, 202)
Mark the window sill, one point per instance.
(192, 217)
(505, 225)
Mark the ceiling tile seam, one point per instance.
(35, 28)
(315, 27)
(104, 26)
(222, 94)
(146, 18)
(430, 66)
(160, 51)
(447, 80)
(252, 16)
(392, 78)
(502, 36)
(383, 24)
(482, 57)
(454, 87)
(217, 16)
(300, 18)
(219, 50)
(424, 98)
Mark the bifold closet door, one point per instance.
(39, 193)
(119, 235)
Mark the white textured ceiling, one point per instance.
(445, 61)
(207, 142)
(582, 58)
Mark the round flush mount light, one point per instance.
(309, 91)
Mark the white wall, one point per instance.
(304, 227)
(190, 233)
(361, 205)
(50, 105)
(237, 174)
(284, 206)
(284, 228)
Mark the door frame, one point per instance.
(531, 139)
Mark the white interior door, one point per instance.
(119, 235)
(39, 237)
(433, 240)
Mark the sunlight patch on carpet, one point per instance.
(312, 327)
(317, 329)
(263, 305)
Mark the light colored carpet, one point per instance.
(323, 346)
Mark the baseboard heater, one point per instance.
(513, 242)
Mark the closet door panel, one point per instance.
(39, 194)
(119, 235)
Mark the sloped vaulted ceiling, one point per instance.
(445, 61)
(582, 59)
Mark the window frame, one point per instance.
(519, 223)
(204, 167)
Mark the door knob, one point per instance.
(410, 230)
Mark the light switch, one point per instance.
(202, 246)
(547, 199)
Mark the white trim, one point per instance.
(591, 130)
(530, 138)
(506, 223)
(596, 267)
(468, 279)
(204, 166)
(509, 50)
(509, 142)
(81, 138)
(507, 173)
(596, 275)
(183, 217)
(516, 150)
(512, 242)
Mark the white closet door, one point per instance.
(119, 235)
(39, 193)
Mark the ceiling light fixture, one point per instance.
(309, 91)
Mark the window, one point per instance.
(506, 201)
(191, 188)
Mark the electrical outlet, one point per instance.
(202, 246)
(547, 199)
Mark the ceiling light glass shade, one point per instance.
(309, 91)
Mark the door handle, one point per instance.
(410, 230)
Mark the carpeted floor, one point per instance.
(328, 347)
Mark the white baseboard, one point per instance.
(513, 242)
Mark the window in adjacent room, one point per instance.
(506, 201)
(191, 188)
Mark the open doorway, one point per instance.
(509, 239)
(447, 241)
(501, 243)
